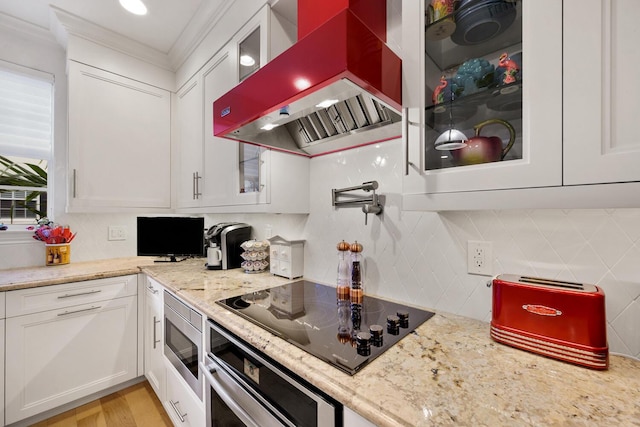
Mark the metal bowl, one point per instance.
(482, 21)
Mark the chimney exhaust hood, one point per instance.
(338, 87)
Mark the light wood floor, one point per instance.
(136, 406)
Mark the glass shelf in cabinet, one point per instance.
(446, 53)
(502, 98)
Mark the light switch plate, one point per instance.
(117, 232)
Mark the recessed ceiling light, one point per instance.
(247, 61)
(134, 6)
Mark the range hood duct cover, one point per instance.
(342, 60)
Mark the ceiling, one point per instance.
(159, 29)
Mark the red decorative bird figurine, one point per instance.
(510, 66)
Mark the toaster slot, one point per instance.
(560, 284)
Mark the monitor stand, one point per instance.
(172, 258)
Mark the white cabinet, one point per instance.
(119, 142)
(532, 105)
(352, 419)
(153, 337)
(2, 325)
(189, 131)
(180, 402)
(221, 175)
(83, 341)
(600, 97)
(576, 146)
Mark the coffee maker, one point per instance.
(223, 245)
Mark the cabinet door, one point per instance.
(2, 384)
(532, 105)
(601, 91)
(119, 141)
(189, 168)
(153, 337)
(181, 403)
(62, 355)
(220, 154)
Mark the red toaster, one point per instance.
(561, 320)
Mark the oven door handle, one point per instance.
(208, 372)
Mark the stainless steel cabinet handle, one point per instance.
(196, 186)
(208, 372)
(78, 311)
(74, 183)
(175, 408)
(79, 294)
(405, 128)
(193, 185)
(155, 335)
(152, 289)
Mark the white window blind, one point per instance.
(26, 106)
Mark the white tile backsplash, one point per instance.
(420, 257)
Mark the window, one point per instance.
(26, 134)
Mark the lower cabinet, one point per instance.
(65, 342)
(153, 337)
(2, 374)
(180, 402)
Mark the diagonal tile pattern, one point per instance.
(420, 257)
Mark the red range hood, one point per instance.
(340, 58)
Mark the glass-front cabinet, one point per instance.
(482, 93)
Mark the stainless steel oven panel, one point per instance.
(239, 400)
(326, 411)
(193, 334)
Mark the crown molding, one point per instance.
(208, 15)
(26, 29)
(70, 24)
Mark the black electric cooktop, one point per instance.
(312, 317)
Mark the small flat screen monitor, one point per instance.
(173, 237)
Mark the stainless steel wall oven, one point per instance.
(183, 341)
(244, 387)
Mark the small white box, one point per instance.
(287, 257)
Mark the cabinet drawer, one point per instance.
(283, 269)
(62, 355)
(153, 289)
(182, 405)
(281, 252)
(35, 300)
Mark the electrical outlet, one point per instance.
(479, 258)
(117, 232)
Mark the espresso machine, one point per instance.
(223, 245)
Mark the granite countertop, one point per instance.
(449, 372)
(29, 277)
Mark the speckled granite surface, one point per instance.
(20, 278)
(449, 372)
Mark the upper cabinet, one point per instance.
(542, 106)
(600, 96)
(482, 95)
(119, 138)
(221, 175)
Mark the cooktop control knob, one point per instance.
(403, 315)
(376, 335)
(363, 343)
(393, 324)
